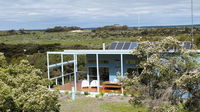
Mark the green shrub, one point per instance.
(136, 101)
(56, 87)
(66, 92)
(167, 108)
(86, 93)
(102, 94)
(97, 95)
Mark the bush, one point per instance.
(86, 93)
(167, 108)
(66, 92)
(56, 87)
(101, 94)
(23, 90)
(136, 101)
(193, 105)
(97, 95)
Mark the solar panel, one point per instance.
(119, 45)
(126, 45)
(187, 45)
(123, 45)
(113, 45)
(133, 45)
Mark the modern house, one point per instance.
(102, 65)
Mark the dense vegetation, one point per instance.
(32, 45)
(169, 81)
(22, 89)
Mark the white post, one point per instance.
(104, 46)
(98, 78)
(88, 76)
(75, 71)
(56, 81)
(122, 70)
(48, 72)
(62, 70)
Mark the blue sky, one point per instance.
(39, 14)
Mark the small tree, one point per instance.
(167, 72)
(23, 90)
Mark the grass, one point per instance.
(121, 107)
(96, 105)
(64, 38)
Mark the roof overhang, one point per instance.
(82, 52)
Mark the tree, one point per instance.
(168, 72)
(23, 90)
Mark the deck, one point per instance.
(110, 88)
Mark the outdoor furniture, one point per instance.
(111, 86)
(85, 84)
(94, 83)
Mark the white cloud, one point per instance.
(101, 10)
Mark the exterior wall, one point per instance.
(114, 63)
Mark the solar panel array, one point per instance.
(123, 45)
(133, 45)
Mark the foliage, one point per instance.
(62, 29)
(167, 108)
(101, 93)
(136, 101)
(97, 95)
(112, 28)
(66, 92)
(86, 93)
(23, 89)
(166, 75)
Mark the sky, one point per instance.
(41, 14)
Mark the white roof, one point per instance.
(100, 52)
(93, 52)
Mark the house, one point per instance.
(102, 65)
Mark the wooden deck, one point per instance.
(110, 87)
(68, 86)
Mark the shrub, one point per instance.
(97, 95)
(23, 90)
(56, 87)
(166, 108)
(86, 93)
(101, 94)
(66, 92)
(136, 101)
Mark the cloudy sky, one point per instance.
(39, 14)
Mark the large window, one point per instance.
(100, 62)
(103, 73)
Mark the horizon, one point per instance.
(42, 14)
(180, 25)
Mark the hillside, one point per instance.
(33, 45)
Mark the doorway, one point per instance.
(103, 73)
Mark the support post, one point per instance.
(48, 71)
(75, 72)
(122, 70)
(88, 75)
(62, 70)
(56, 81)
(98, 77)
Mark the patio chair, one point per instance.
(85, 84)
(94, 83)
